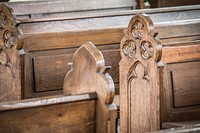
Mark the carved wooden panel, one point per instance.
(10, 75)
(46, 80)
(139, 83)
(181, 99)
(89, 74)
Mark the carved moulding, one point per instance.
(89, 74)
(139, 88)
(10, 44)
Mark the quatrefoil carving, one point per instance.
(138, 30)
(129, 49)
(147, 50)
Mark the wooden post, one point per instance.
(10, 43)
(89, 74)
(141, 51)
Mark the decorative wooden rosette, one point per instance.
(10, 43)
(141, 51)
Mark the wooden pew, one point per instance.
(151, 93)
(50, 41)
(61, 8)
(58, 38)
(85, 110)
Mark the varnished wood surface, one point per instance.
(38, 102)
(103, 13)
(180, 92)
(140, 50)
(10, 60)
(103, 29)
(111, 21)
(88, 74)
(24, 8)
(73, 117)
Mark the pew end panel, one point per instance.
(89, 74)
(141, 52)
(10, 60)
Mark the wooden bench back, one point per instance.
(24, 9)
(58, 43)
(86, 110)
(56, 114)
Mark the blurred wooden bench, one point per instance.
(62, 8)
(170, 3)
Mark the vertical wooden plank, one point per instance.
(139, 77)
(10, 43)
(89, 74)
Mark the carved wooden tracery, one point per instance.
(10, 43)
(139, 83)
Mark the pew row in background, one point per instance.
(63, 8)
(86, 109)
(53, 42)
(154, 95)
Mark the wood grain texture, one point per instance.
(89, 74)
(24, 8)
(71, 117)
(139, 84)
(186, 84)
(10, 43)
(180, 92)
(102, 29)
(182, 52)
